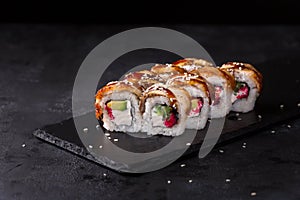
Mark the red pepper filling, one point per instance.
(109, 112)
(241, 90)
(171, 121)
(168, 114)
(197, 105)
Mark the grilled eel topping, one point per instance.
(232, 67)
(111, 87)
(191, 80)
(144, 78)
(167, 112)
(190, 64)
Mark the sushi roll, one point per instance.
(144, 78)
(165, 71)
(198, 89)
(223, 84)
(117, 105)
(190, 64)
(165, 109)
(248, 85)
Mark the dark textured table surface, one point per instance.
(38, 64)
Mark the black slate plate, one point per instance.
(267, 112)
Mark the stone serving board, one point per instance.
(278, 102)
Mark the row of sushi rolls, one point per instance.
(169, 98)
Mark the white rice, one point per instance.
(245, 104)
(136, 123)
(200, 121)
(183, 107)
(224, 106)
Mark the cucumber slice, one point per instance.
(238, 86)
(162, 110)
(157, 110)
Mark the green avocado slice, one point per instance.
(194, 103)
(117, 105)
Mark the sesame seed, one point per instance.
(237, 114)
(182, 165)
(116, 140)
(244, 146)
(100, 146)
(272, 131)
(239, 119)
(221, 150)
(188, 144)
(90, 146)
(244, 143)
(298, 104)
(97, 126)
(190, 181)
(169, 181)
(104, 174)
(281, 106)
(107, 134)
(259, 116)
(85, 130)
(23, 145)
(289, 126)
(253, 194)
(227, 180)
(109, 138)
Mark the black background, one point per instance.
(152, 12)
(43, 44)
